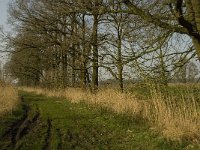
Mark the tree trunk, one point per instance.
(119, 63)
(196, 9)
(84, 57)
(121, 84)
(73, 67)
(64, 57)
(95, 54)
(195, 15)
(196, 43)
(119, 52)
(83, 76)
(73, 50)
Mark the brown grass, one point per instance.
(8, 98)
(174, 119)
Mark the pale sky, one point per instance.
(3, 12)
(3, 21)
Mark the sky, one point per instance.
(3, 12)
(3, 22)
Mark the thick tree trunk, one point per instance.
(95, 54)
(196, 43)
(73, 67)
(83, 57)
(65, 70)
(73, 49)
(119, 63)
(119, 52)
(121, 84)
(194, 7)
(83, 76)
(64, 57)
(196, 10)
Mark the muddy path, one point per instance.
(21, 127)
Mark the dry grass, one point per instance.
(106, 98)
(174, 119)
(8, 98)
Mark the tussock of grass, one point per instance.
(175, 119)
(8, 99)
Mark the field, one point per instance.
(76, 119)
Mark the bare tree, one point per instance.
(177, 16)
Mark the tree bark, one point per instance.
(84, 56)
(95, 54)
(196, 43)
(195, 7)
(73, 49)
(119, 63)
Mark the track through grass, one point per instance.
(56, 124)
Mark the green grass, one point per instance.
(9, 119)
(63, 125)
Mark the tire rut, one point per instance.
(47, 145)
(21, 127)
(59, 146)
(26, 126)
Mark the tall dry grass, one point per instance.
(8, 99)
(175, 119)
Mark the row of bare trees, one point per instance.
(65, 43)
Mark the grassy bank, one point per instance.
(175, 116)
(55, 123)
